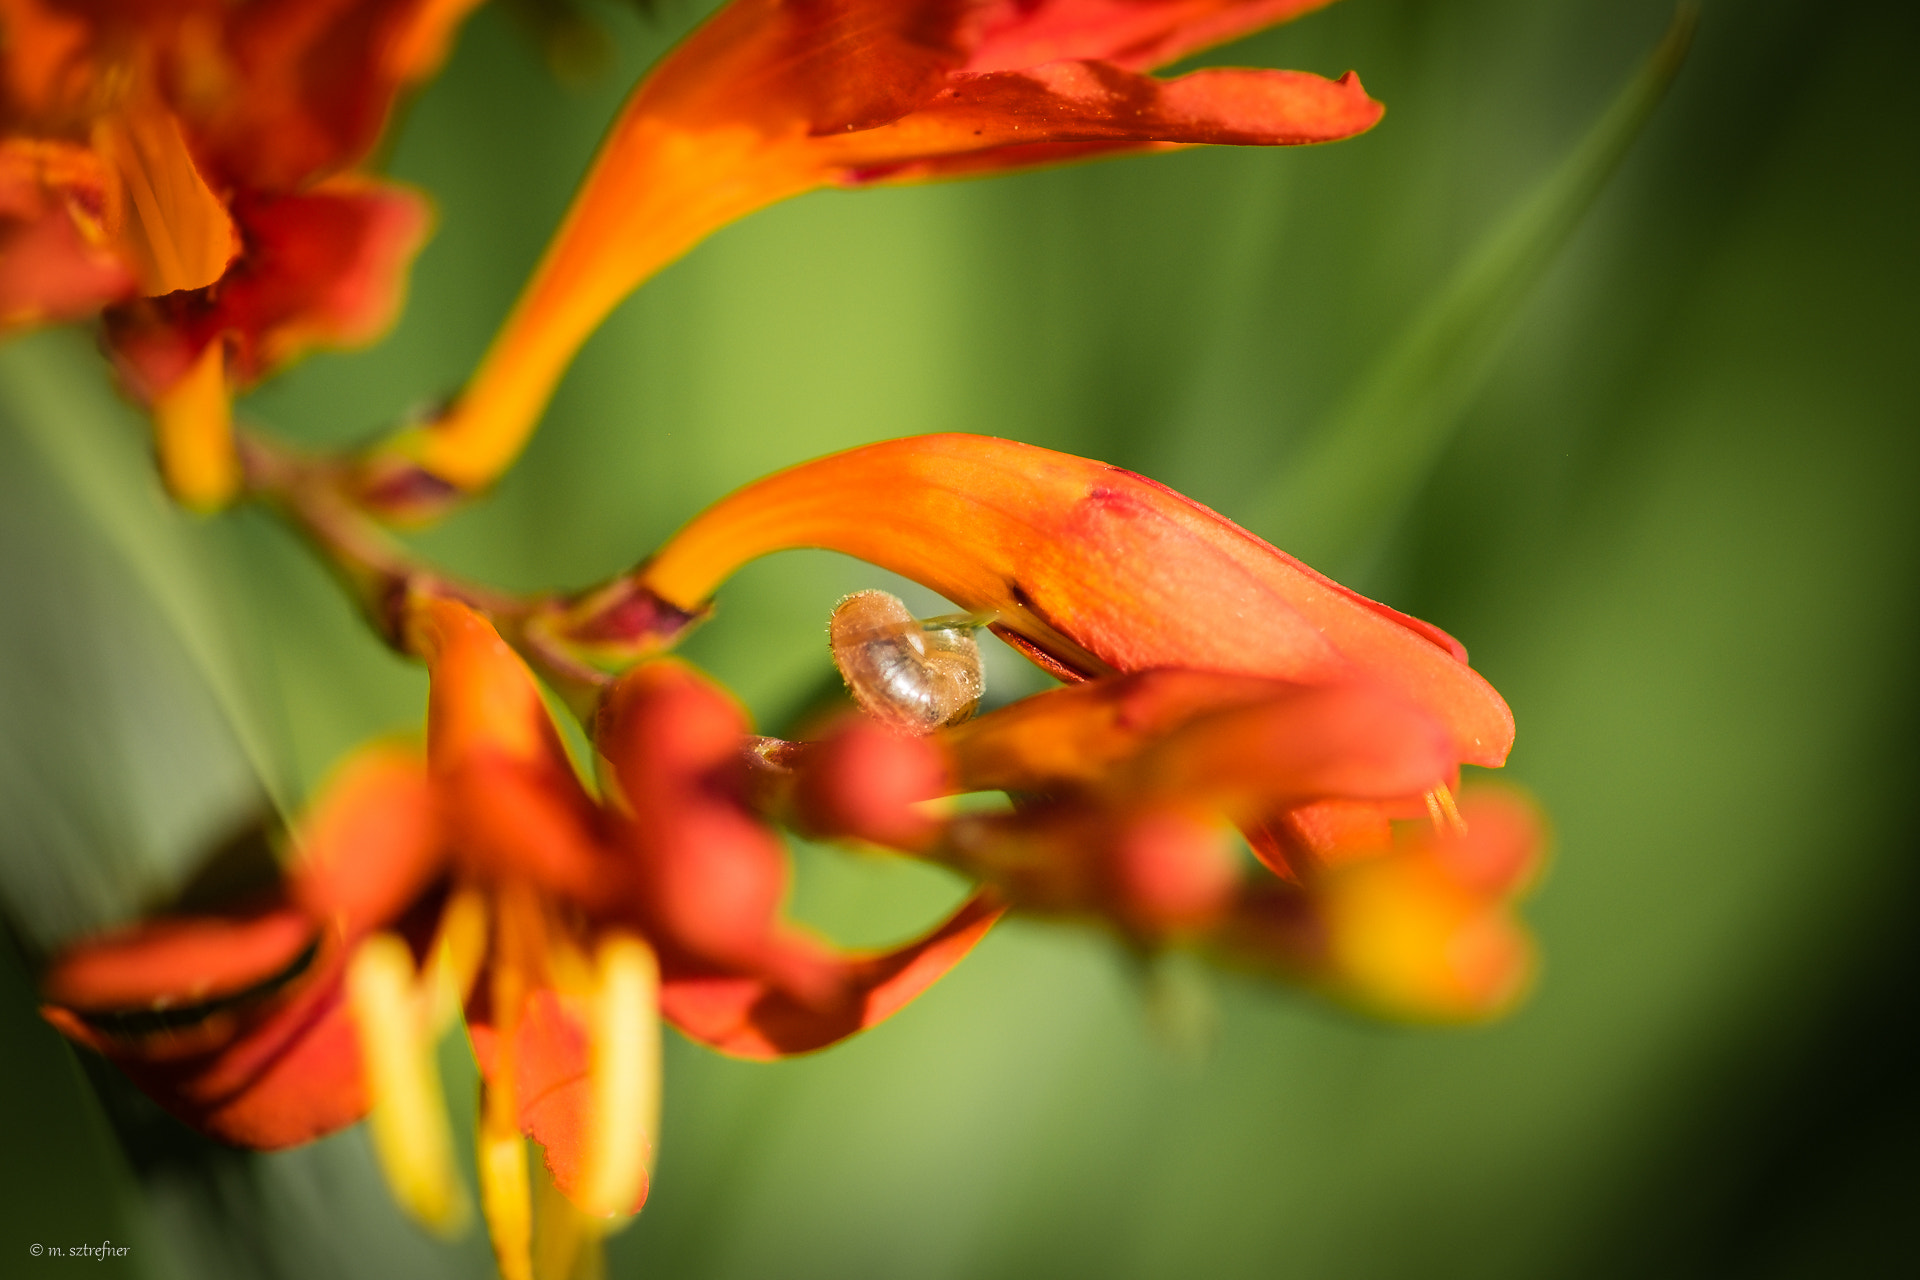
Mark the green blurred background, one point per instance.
(1676, 524)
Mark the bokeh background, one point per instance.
(1676, 522)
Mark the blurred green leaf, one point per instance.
(114, 483)
(1358, 470)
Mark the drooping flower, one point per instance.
(771, 98)
(488, 877)
(1087, 568)
(181, 164)
(1217, 683)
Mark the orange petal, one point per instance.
(169, 967)
(1098, 568)
(173, 229)
(744, 1014)
(193, 434)
(1025, 33)
(1406, 940)
(1079, 734)
(279, 94)
(555, 1087)
(1501, 848)
(1077, 103)
(511, 802)
(55, 263)
(323, 268)
(1344, 742)
(265, 1067)
(372, 842)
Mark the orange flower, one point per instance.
(1087, 568)
(771, 98)
(491, 878)
(161, 159)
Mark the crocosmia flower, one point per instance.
(487, 878)
(180, 163)
(771, 98)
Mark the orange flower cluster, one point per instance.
(183, 166)
(1245, 758)
(566, 921)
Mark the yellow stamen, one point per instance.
(625, 1077)
(193, 433)
(505, 1194)
(408, 1117)
(566, 1242)
(453, 961)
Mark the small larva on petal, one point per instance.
(913, 676)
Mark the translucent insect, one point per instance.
(910, 674)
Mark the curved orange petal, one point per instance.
(1099, 569)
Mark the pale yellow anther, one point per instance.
(408, 1116)
(453, 961)
(193, 434)
(1444, 812)
(505, 1192)
(624, 1076)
